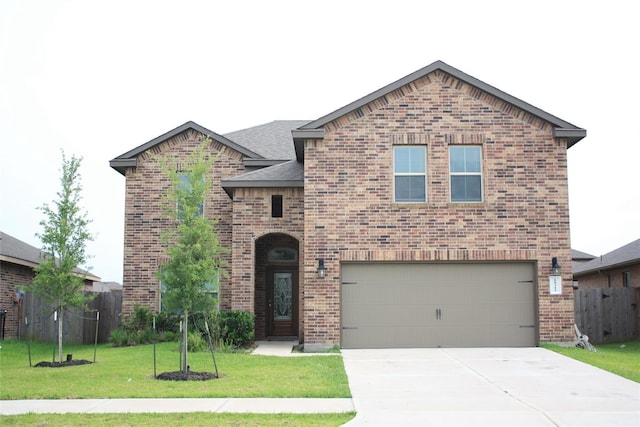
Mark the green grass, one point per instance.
(186, 419)
(127, 372)
(621, 358)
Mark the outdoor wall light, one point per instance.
(321, 270)
(555, 278)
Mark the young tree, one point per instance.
(195, 254)
(64, 237)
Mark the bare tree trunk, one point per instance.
(185, 345)
(60, 334)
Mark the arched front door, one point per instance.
(282, 302)
(277, 287)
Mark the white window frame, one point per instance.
(474, 173)
(399, 174)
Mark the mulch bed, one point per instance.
(190, 376)
(61, 364)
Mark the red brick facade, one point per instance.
(146, 185)
(346, 211)
(350, 214)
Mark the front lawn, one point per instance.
(127, 372)
(621, 358)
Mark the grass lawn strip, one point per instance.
(184, 419)
(620, 358)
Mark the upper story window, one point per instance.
(276, 206)
(465, 168)
(410, 173)
(186, 185)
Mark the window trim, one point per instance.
(407, 174)
(480, 173)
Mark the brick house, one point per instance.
(619, 268)
(424, 214)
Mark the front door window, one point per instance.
(283, 296)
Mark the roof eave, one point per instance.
(262, 184)
(572, 135)
(121, 165)
(299, 136)
(261, 163)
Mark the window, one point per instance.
(276, 206)
(465, 167)
(186, 185)
(212, 289)
(410, 174)
(282, 255)
(626, 279)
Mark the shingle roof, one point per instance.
(10, 247)
(287, 174)
(625, 255)
(18, 252)
(271, 140)
(581, 256)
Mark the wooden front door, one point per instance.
(282, 302)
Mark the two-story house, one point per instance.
(424, 214)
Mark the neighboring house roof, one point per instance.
(106, 286)
(581, 256)
(625, 255)
(18, 252)
(270, 140)
(562, 129)
(288, 174)
(129, 159)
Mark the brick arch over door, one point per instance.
(277, 255)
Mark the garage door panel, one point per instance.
(431, 305)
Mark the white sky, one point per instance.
(99, 78)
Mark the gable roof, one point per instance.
(18, 252)
(129, 159)
(625, 255)
(313, 130)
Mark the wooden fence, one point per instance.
(608, 315)
(79, 327)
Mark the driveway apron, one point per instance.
(485, 387)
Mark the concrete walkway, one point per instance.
(486, 387)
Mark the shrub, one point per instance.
(235, 328)
(119, 338)
(196, 342)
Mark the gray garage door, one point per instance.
(438, 305)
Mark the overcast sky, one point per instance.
(99, 78)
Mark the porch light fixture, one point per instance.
(555, 278)
(321, 270)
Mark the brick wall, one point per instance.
(253, 223)
(12, 276)
(610, 278)
(350, 213)
(146, 186)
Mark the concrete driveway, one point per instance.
(485, 387)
